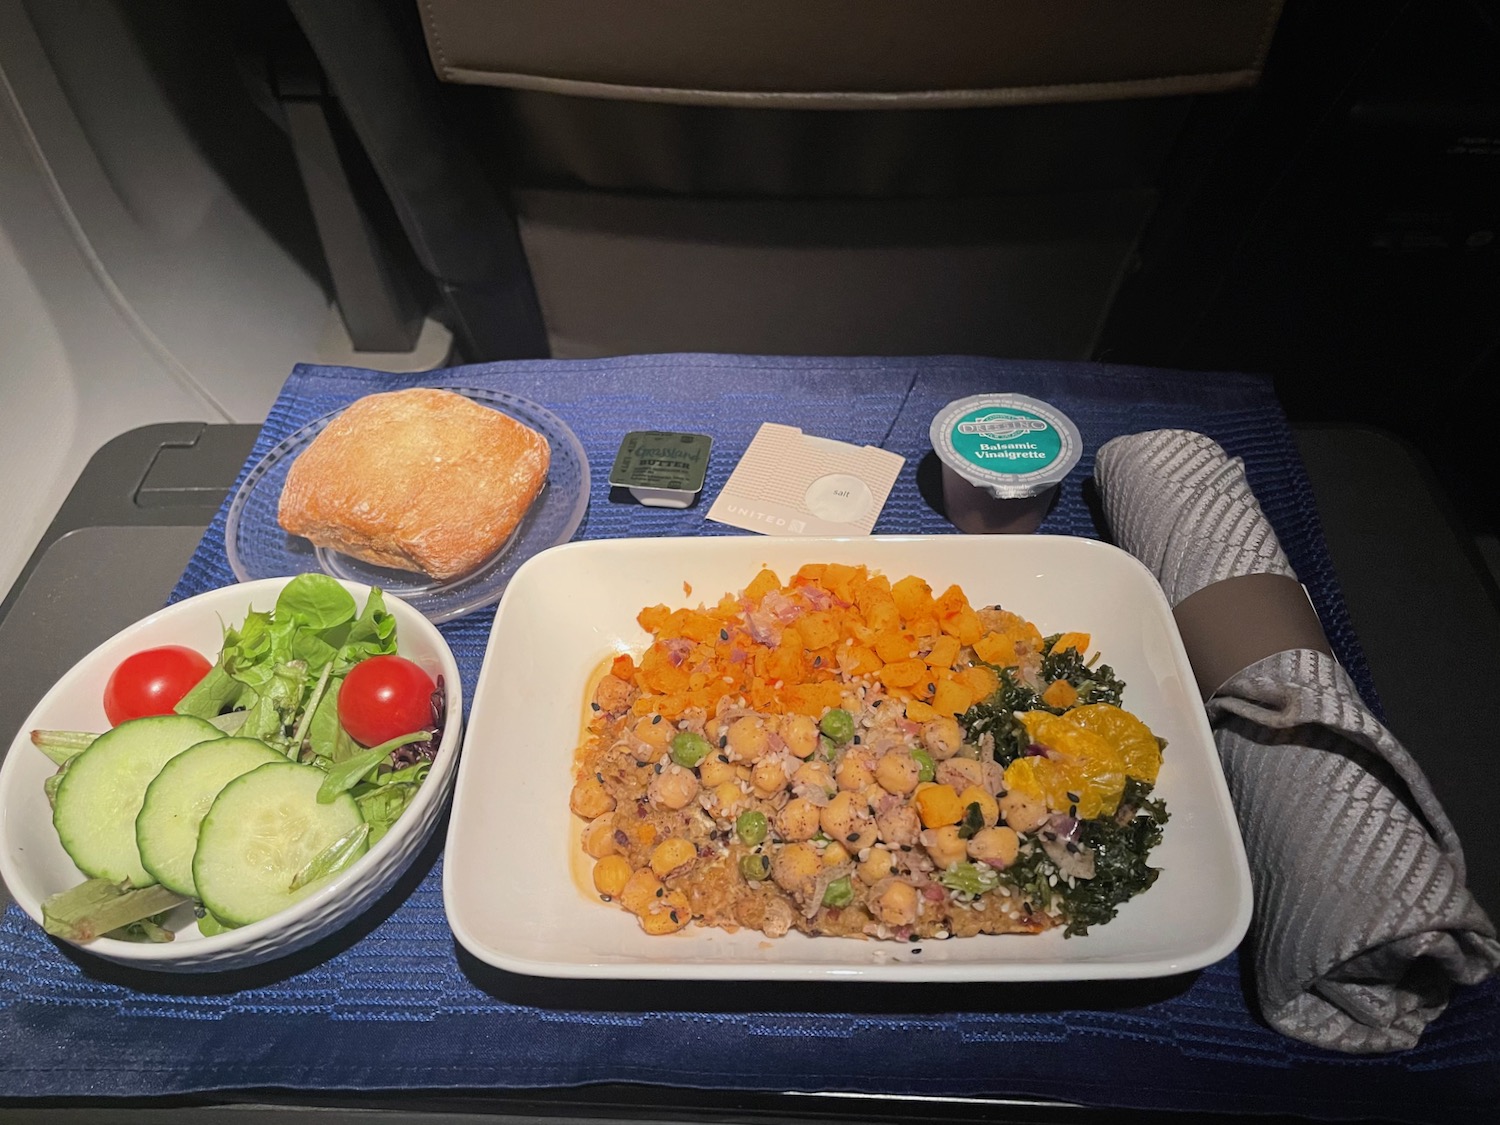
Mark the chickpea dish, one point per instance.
(843, 755)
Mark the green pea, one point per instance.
(838, 725)
(688, 749)
(840, 892)
(751, 826)
(755, 867)
(926, 768)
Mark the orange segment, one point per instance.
(1126, 733)
(1083, 770)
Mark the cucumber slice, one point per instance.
(166, 831)
(264, 828)
(100, 795)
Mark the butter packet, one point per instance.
(662, 469)
(791, 483)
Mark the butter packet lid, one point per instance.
(662, 469)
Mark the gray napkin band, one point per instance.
(1231, 624)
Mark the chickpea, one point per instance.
(944, 845)
(875, 867)
(671, 854)
(959, 773)
(613, 696)
(798, 820)
(795, 866)
(713, 771)
(843, 816)
(898, 772)
(1021, 812)
(816, 775)
(599, 837)
(640, 891)
(669, 914)
(835, 854)
(769, 777)
(673, 788)
(800, 734)
(995, 846)
(656, 734)
(747, 738)
(989, 808)
(942, 737)
(727, 799)
(854, 770)
(897, 904)
(898, 826)
(590, 799)
(611, 874)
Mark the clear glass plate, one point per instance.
(258, 547)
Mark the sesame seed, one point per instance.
(595, 706)
(723, 634)
(655, 719)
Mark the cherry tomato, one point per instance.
(383, 698)
(152, 682)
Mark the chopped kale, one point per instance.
(1094, 685)
(1121, 846)
(996, 716)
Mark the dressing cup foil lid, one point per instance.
(1010, 445)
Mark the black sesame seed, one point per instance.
(657, 767)
(655, 719)
(723, 758)
(723, 742)
(1072, 847)
(641, 764)
(723, 634)
(877, 702)
(917, 950)
(906, 847)
(1073, 797)
(606, 898)
(1073, 810)
(1049, 835)
(856, 740)
(660, 891)
(913, 938)
(932, 687)
(674, 915)
(852, 837)
(599, 777)
(595, 706)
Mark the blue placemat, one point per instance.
(392, 1003)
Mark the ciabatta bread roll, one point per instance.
(421, 480)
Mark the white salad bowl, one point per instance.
(35, 866)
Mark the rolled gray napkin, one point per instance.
(1363, 922)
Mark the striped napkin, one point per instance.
(1363, 922)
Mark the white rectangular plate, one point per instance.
(517, 896)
